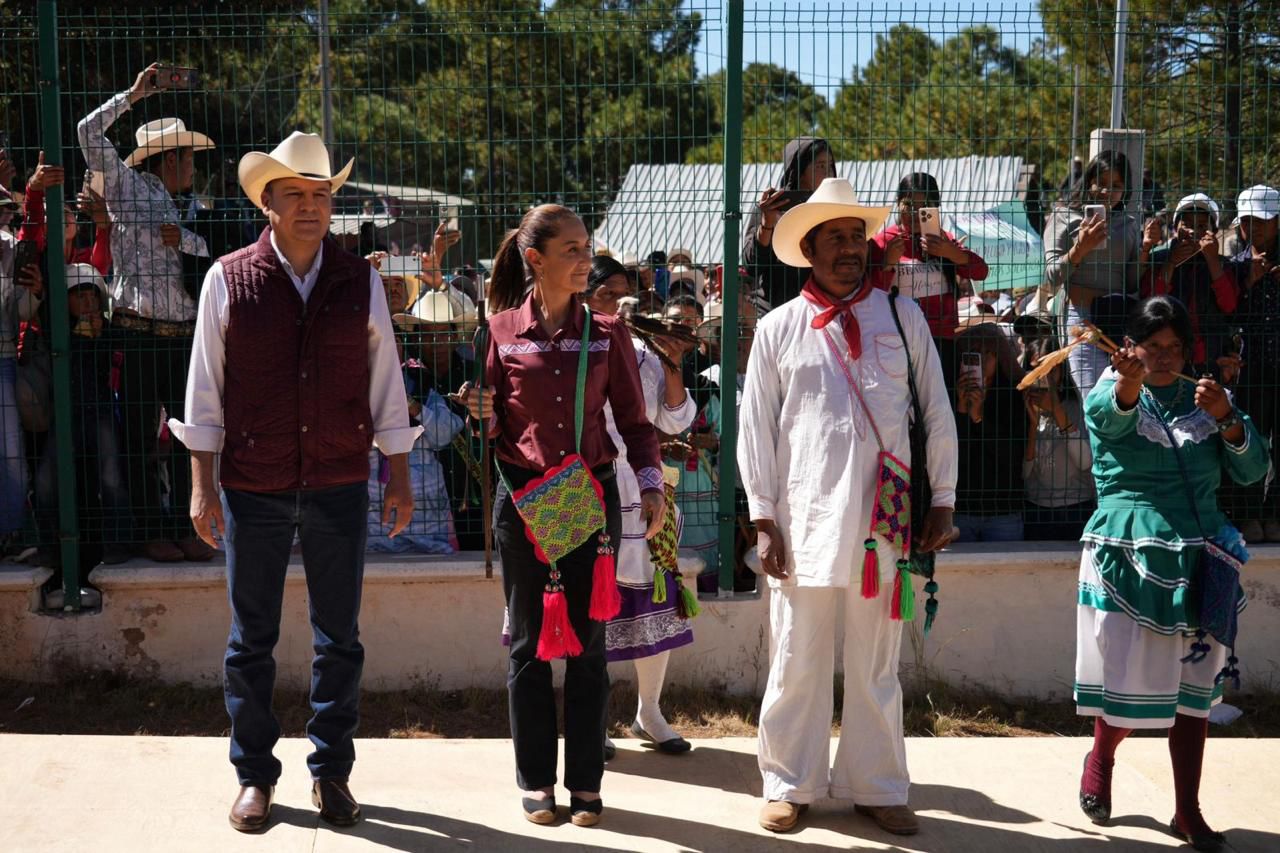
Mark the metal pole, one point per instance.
(326, 89)
(1075, 118)
(486, 495)
(56, 293)
(1117, 65)
(727, 516)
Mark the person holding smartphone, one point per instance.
(806, 162)
(1093, 253)
(1187, 266)
(925, 262)
(153, 310)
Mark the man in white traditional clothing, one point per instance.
(824, 415)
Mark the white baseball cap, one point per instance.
(1197, 201)
(1259, 202)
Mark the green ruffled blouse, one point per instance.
(1146, 543)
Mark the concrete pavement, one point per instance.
(141, 794)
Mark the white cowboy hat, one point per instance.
(833, 199)
(302, 155)
(80, 274)
(678, 252)
(440, 308)
(165, 134)
(693, 276)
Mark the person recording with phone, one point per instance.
(153, 310)
(806, 162)
(1187, 267)
(1256, 346)
(925, 262)
(991, 428)
(1093, 253)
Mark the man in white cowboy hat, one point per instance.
(294, 377)
(826, 396)
(153, 311)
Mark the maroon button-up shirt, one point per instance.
(535, 379)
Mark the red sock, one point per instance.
(1186, 749)
(1097, 770)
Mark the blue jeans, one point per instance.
(102, 495)
(989, 528)
(331, 524)
(13, 466)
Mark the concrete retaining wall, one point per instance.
(1006, 622)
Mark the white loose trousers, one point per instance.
(795, 718)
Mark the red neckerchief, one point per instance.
(831, 309)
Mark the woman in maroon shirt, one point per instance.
(530, 374)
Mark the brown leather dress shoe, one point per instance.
(898, 820)
(334, 800)
(252, 808)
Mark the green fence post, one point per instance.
(729, 293)
(56, 294)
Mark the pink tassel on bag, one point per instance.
(606, 601)
(557, 639)
(870, 570)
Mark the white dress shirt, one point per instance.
(203, 429)
(148, 274)
(806, 452)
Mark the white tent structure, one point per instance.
(662, 206)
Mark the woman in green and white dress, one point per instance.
(1136, 620)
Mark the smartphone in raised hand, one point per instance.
(1096, 211)
(176, 77)
(971, 367)
(930, 221)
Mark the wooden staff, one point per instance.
(1086, 333)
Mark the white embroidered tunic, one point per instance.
(806, 452)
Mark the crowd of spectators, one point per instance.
(137, 242)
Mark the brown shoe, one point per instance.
(162, 552)
(333, 798)
(899, 820)
(252, 809)
(196, 550)
(781, 816)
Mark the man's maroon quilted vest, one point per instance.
(296, 392)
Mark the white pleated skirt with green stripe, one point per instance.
(1131, 675)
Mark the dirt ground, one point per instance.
(106, 703)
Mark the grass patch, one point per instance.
(108, 703)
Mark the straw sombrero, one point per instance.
(833, 199)
(302, 155)
(165, 134)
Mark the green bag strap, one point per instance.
(580, 393)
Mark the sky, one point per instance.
(824, 41)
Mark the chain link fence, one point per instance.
(639, 115)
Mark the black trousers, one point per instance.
(532, 701)
(159, 476)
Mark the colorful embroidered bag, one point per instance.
(664, 551)
(890, 512)
(561, 510)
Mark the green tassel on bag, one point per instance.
(907, 607)
(659, 586)
(688, 606)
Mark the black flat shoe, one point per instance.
(676, 746)
(540, 811)
(610, 752)
(585, 812)
(1091, 804)
(1206, 842)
